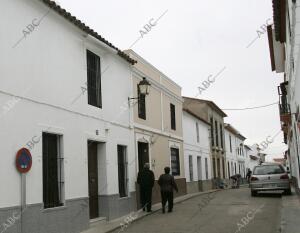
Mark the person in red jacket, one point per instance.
(167, 185)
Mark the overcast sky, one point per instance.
(195, 39)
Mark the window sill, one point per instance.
(124, 198)
(54, 209)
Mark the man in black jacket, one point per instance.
(146, 181)
(167, 185)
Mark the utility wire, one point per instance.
(239, 109)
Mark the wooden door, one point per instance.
(93, 179)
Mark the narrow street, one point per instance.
(222, 214)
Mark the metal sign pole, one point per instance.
(23, 165)
(23, 198)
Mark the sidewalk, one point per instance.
(105, 226)
(290, 214)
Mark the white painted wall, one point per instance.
(293, 76)
(254, 152)
(235, 157)
(46, 72)
(231, 153)
(194, 148)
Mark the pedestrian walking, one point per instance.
(249, 173)
(167, 185)
(146, 181)
(235, 181)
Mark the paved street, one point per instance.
(221, 213)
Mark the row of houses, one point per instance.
(283, 38)
(91, 116)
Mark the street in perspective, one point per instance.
(149, 116)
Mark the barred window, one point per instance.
(173, 116)
(197, 132)
(94, 79)
(191, 167)
(175, 164)
(53, 182)
(122, 171)
(212, 132)
(141, 105)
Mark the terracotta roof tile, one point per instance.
(68, 16)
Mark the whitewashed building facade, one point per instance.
(196, 132)
(235, 154)
(64, 96)
(284, 53)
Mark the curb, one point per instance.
(175, 202)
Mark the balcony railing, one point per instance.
(284, 109)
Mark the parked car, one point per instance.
(269, 177)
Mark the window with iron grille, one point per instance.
(122, 171)
(212, 132)
(191, 167)
(94, 79)
(197, 132)
(53, 182)
(221, 135)
(175, 164)
(223, 166)
(141, 105)
(173, 116)
(230, 143)
(217, 136)
(228, 169)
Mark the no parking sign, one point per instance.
(23, 160)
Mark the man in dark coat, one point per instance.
(146, 181)
(167, 185)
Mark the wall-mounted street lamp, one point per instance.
(143, 89)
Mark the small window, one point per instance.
(122, 171)
(175, 164)
(94, 80)
(53, 183)
(197, 132)
(141, 105)
(173, 116)
(191, 167)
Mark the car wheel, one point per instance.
(253, 193)
(288, 191)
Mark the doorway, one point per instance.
(143, 154)
(199, 167)
(93, 179)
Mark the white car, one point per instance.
(269, 177)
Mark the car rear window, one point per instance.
(268, 169)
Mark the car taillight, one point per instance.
(284, 177)
(253, 178)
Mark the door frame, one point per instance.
(97, 161)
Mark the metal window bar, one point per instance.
(94, 79)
